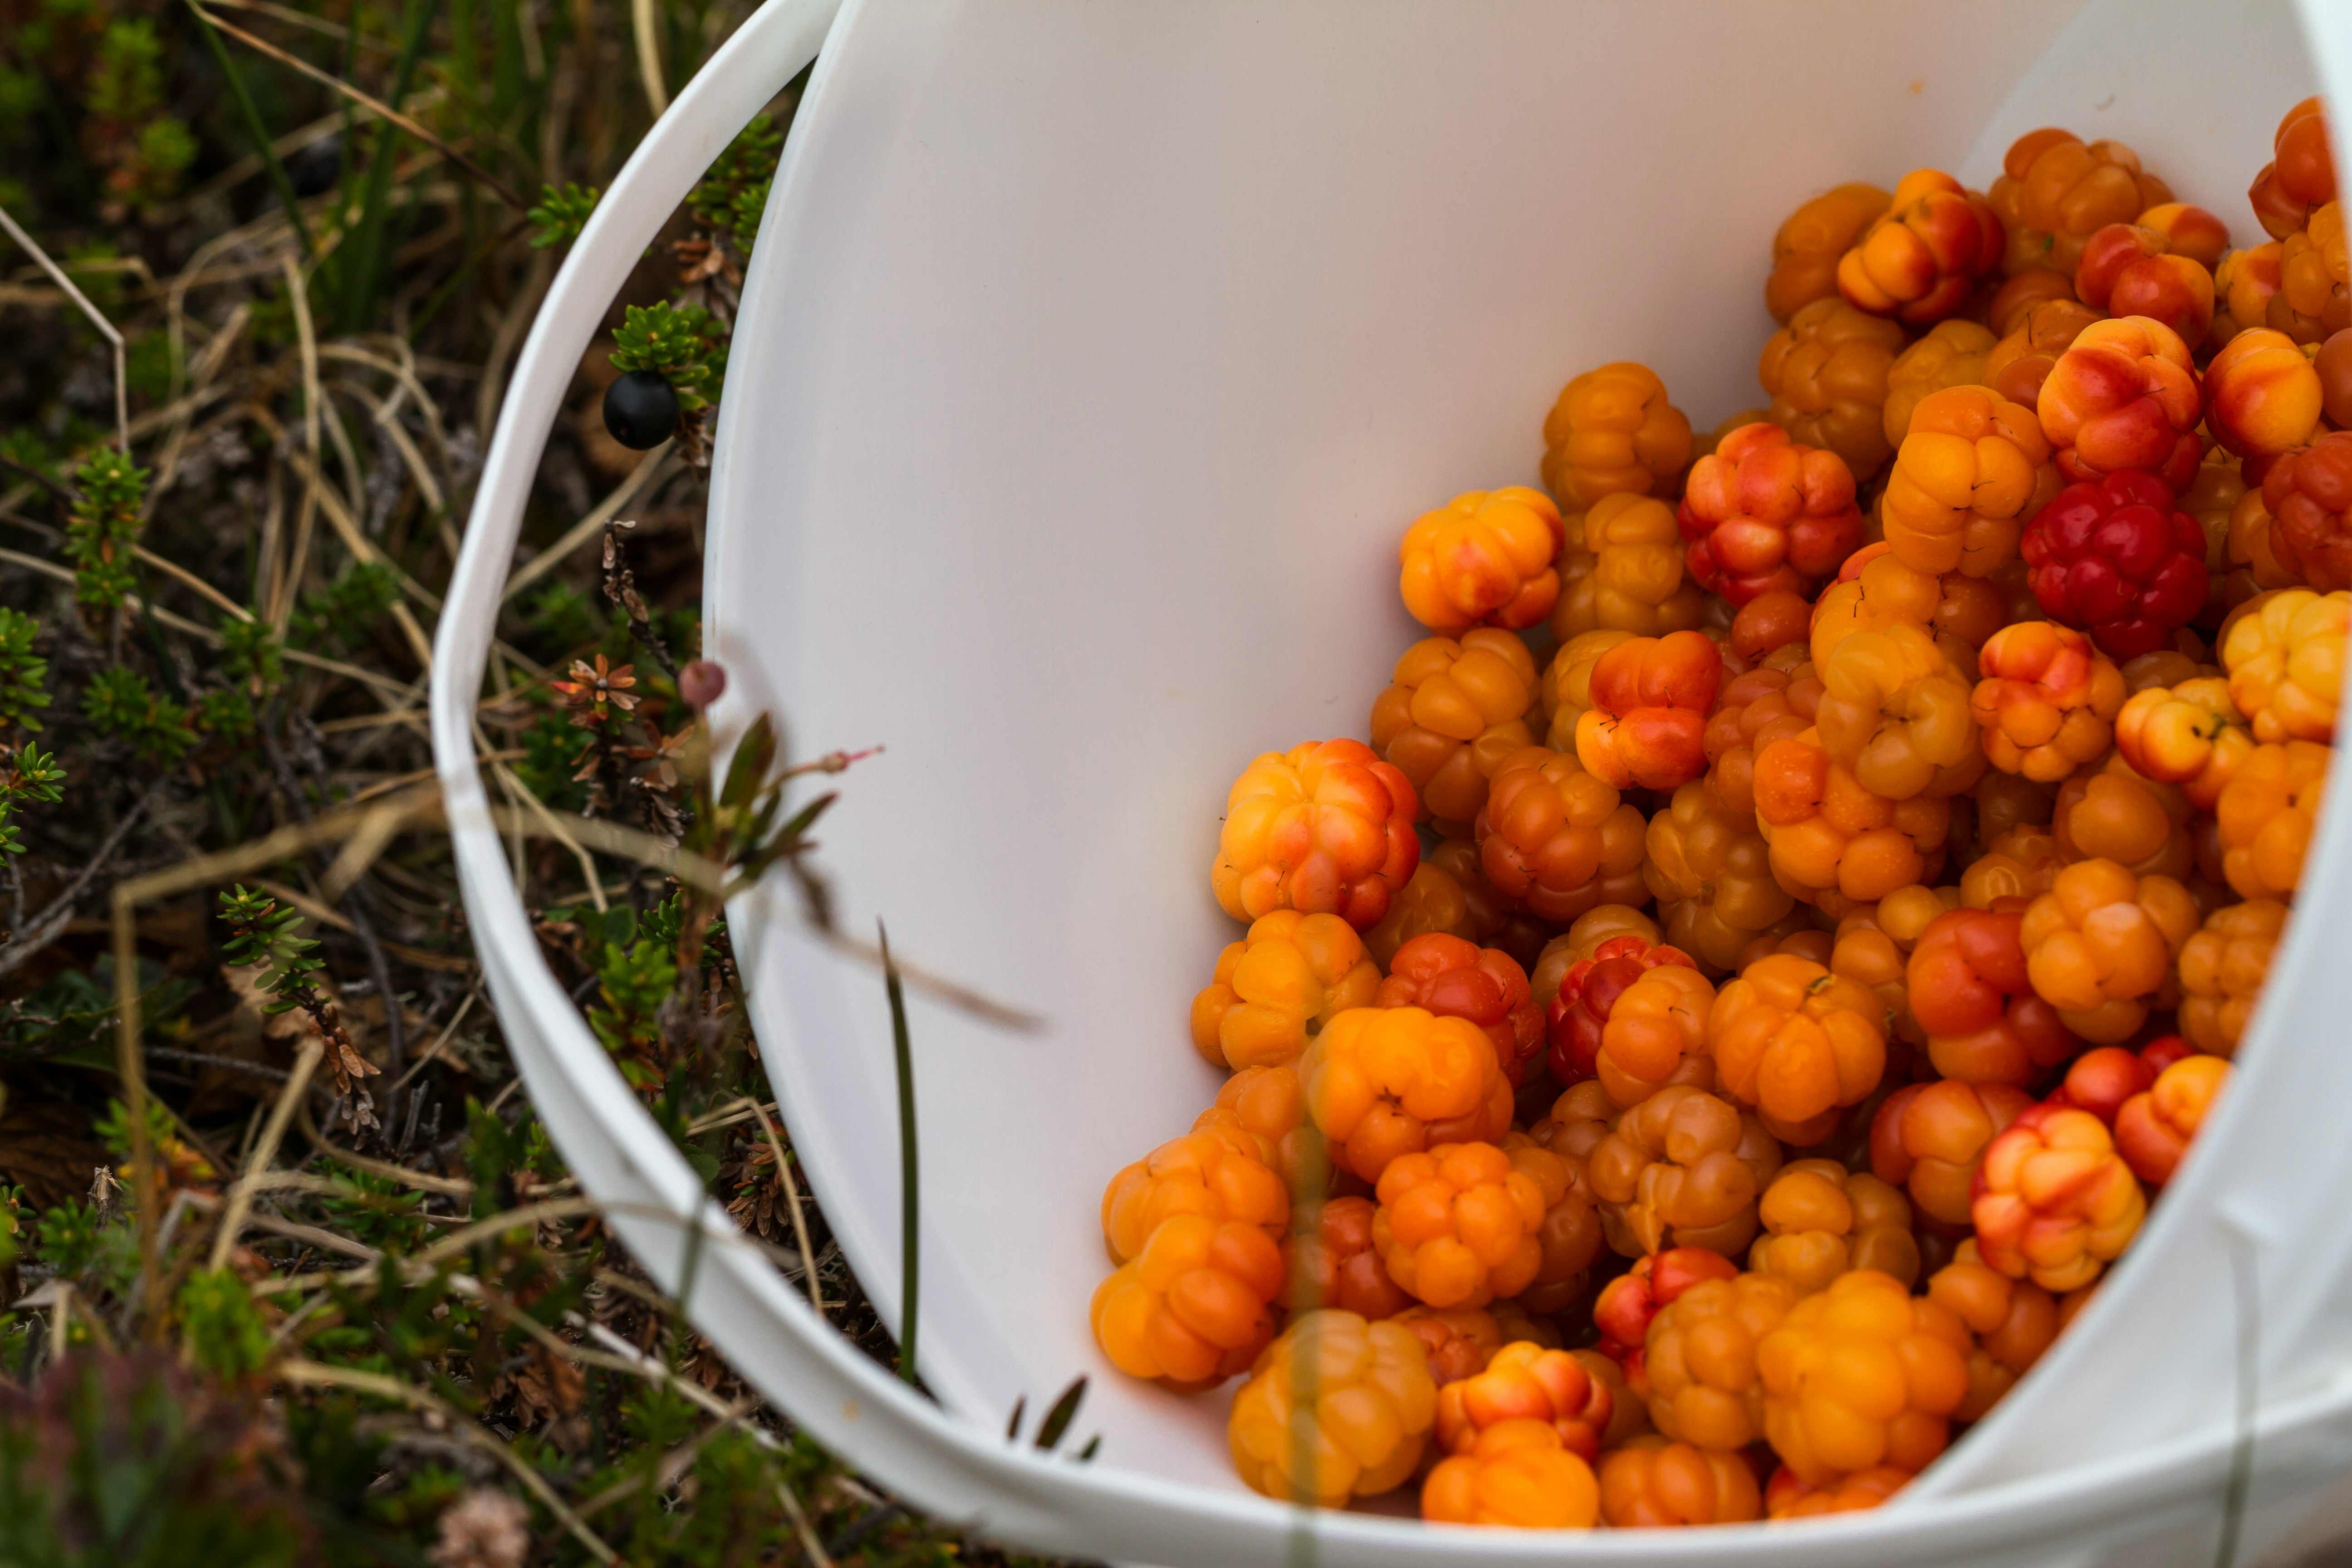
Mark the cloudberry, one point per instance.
(2153, 1129)
(1612, 432)
(2101, 943)
(1651, 1483)
(1919, 259)
(2047, 700)
(1458, 979)
(1629, 574)
(1483, 559)
(1336, 1265)
(2222, 968)
(1663, 1018)
(1650, 699)
(1826, 373)
(2057, 190)
(1821, 1220)
(1526, 1382)
(1336, 1408)
(1973, 469)
(1797, 1042)
(2056, 1203)
(1449, 707)
(1972, 992)
(1324, 828)
(2125, 396)
(1834, 842)
(1216, 1174)
(2300, 177)
(1516, 1473)
(2014, 1320)
(1387, 1081)
(1630, 1302)
(1806, 249)
(1457, 1225)
(1702, 1360)
(2191, 734)
(1895, 712)
(1951, 354)
(2267, 813)
(1288, 977)
(2286, 658)
(1683, 1168)
(1862, 1374)
(1190, 1309)
(1763, 513)
(1929, 1140)
(1557, 839)
(1712, 877)
(1790, 1498)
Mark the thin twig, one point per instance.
(240, 1195)
(45, 925)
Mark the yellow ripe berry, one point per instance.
(1700, 1360)
(1862, 1374)
(1612, 432)
(1567, 691)
(1336, 1408)
(1519, 1473)
(2100, 944)
(1951, 354)
(2222, 968)
(1712, 877)
(1821, 1220)
(2267, 815)
(1287, 978)
(1450, 710)
(1826, 373)
(1633, 579)
(1895, 712)
(2286, 659)
(1218, 1172)
(1485, 558)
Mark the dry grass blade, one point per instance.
(507, 193)
(653, 467)
(96, 319)
(240, 1193)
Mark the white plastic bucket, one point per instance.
(1091, 361)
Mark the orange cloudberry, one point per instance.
(2267, 814)
(1612, 432)
(1216, 1173)
(1701, 1361)
(2057, 190)
(1288, 977)
(1821, 1220)
(1929, 1140)
(1450, 705)
(2047, 700)
(1457, 979)
(2286, 659)
(1650, 699)
(1951, 354)
(1556, 839)
(1895, 712)
(1458, 1225)
(1799, 1044)
(2100, 944)
(1336, 1264)
(1683, 1168)
(1763, 513)
(1526, 1382)
(2056, 1203)
(1872, 945)
(1190, 1309)
(1712, 877)
(2014, 1320)
(1630, 577)
(2154, 1126)
(1806, 248)
(1972, 469)
(1790, 1498)
(1388, 1081)
(1862, 1374)
(1972, 993)
(2222, 968)
(1826, 373)
(1919, 259)
(1336, 1408)
(1483, 559)
(2190, 734)
(1834, 842)
(1325, 828)
(1651, 1483)
(1517, 1473)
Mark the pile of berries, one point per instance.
(1798, 904)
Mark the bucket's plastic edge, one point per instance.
(849, 1402)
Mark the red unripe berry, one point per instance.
(2118, 560)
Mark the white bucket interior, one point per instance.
(1093, 359)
